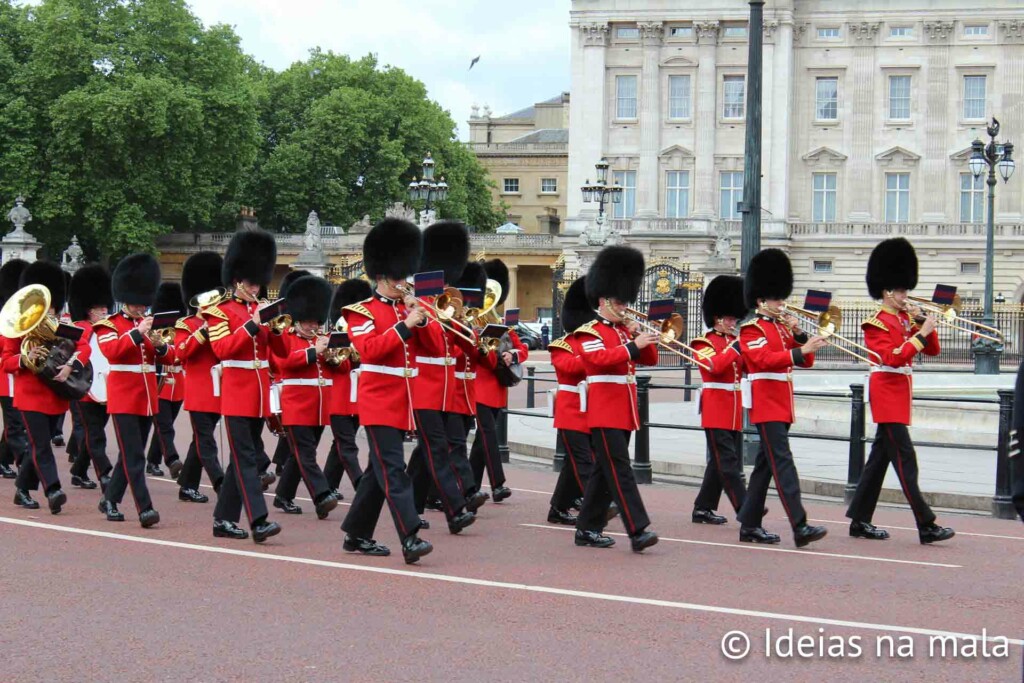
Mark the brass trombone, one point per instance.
(443, 311)
(669, 333)
(949, 315)
(825, 324)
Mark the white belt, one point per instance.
(722, 386)
(274, 397)
(353, 391)
(612, 379)
(895, 371)
(580, 389)
(774, 376)
(465, 375)
(747, 384)
(430, 360)
(388, 370)
(172, 369)
(132, 368)
(244, 364)
(308, 382)
(215, 373)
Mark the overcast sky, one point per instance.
(523, 45)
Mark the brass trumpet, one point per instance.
(669, 333)
(949, 316)
(443, 310)
(163, 336)
(825, 324)
(335, 357)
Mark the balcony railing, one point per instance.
(907, 229)
(349, 243)
(518, 147)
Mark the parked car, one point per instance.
(528, 336)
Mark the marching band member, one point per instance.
(344, 410)
(14, 442)
(445, 248)
(37, 404)
(381, 328)
(771, 344)
(127, 342)
(613, 346)
(305, 393)
(492, 396)
(172, 392)
(199, 275)
(1017, 432)
(897, 337)
(90, 301)
(283, 451)
(241, 341)
(721, 405)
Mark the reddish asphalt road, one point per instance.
(510, 599)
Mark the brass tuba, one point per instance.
(26, 314)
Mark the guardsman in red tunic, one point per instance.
(721, 405)
(492, 396)
(89, 302)
(897, 335)
(380, 329)
(772, 344)
(171, 386)
(14, 442)
(613, 346)
(39, 407)
(200, 275)
(127, 341)
(283, 451)
(242, 343)
(306, 387)
(343, 458)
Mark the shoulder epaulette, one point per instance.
(875, 322)
(560, 344)
(360, 309)
(106, 322)
(750, 322)
(216, 313)
(709, 349)
(588, 328)
(181, 325)
(702, 338)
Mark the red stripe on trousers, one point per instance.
(771, 461)
(387, 487)
(32, 445)
(618, 486)
(238, 475)
(124, 465)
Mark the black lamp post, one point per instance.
(426, 189)
(601, 192)
(994, 156)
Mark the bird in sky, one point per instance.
(473, 63)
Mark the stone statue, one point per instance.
(361, 227)
(723, 243)
(400, 210)
(19, 216)
(73, 257)
(313, 239)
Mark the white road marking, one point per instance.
(447, 578)
(914, 528)
(753, 546)
(266, 494)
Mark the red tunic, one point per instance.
(720, 408)
(488, 391)
(569, 371)
(197, 359)
(610, 358)
(896, 338)
(305, 393)
(433, 349)
(131, 384)
(768, 347)
(341, 402)
(86, 339)
(6, 378)
(32, 394)
(380, 337)
(172, 384)
(242, 346)
(467, 369)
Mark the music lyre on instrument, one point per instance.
(825, 318)
(946, 305)
(669, 331)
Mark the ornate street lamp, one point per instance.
(994, 156)
(426, 189)
(601, 193)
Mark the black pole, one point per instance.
(856, 465)
(1002, 502)
(750, 207)
(642, 456)
(531, 387)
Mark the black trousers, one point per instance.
(344, 454)
(431, 463)
(302, 463)
(485, 447)
(612, 479)
(1017, 474)
(774, 459)
(576, 471)
(262, 460)
(58, 427)
(241, 487)
(90, 419)
(202, 453)
(282, 452)
(74, 447)
(162, 444)
(386, 481)
(892, 444)
(130, 471)
(39, 466)
(15, 441)
(456, 427)
(724, 471)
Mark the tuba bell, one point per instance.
(26, 314)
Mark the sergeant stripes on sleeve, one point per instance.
(362, 329)
(757, 343)
(593, 345)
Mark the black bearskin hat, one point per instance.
(48, 275)
(168, 298)
(90, 288)
(201, 273)
(473, 277)
(251, 256)
(309, 298)
(769, 276)
(445, 247)
(290, 277)
(136, 280)
(392, 249)
(10, 278)
(616, 273)
(576, 310)
(349, 292)
(497, 270)
(892, 265)
(723, 297)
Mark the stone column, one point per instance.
(648, 183)
(778, 93)
(1010, 112)
(588, 119)
(707, 118)
(935, 163)
(860, 180)
(513, 287)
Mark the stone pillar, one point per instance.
(513, 287)
(707, 118)
(548, 223)
(19, 244)
(860, 188)
(1010, 112)
(648, 183)
(588, 119)
(935, 164)
(778, 92)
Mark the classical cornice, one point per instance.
(594, 34)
